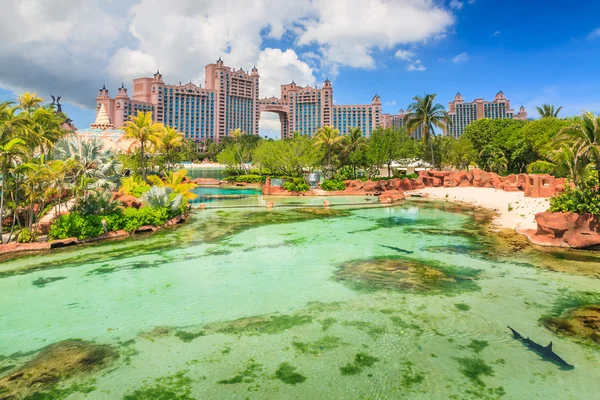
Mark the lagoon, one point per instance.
(410, 301)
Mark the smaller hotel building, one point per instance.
(397, 121)
(462, 114)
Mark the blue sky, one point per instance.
(535, 51)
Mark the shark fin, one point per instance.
(549, 347)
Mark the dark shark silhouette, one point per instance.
(545, 351)
(398, 249)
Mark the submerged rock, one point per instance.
(582, 323)
(66, 359)
(399, 273)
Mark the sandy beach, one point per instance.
(521, 216)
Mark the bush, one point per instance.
(89, 226)
(296, 185)
(25, 236)
(76, 225)
(584, 199)
(247, 179)
(541, 167)
(134, 186)
(333, 184)
(344, 173)
(408, 176)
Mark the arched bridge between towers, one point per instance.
(275, 105)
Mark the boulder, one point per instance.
(146, 228)
(129, 201)
(574, 230)
(54, 244)
(391, 196)
(417, 184)
(370, 187)
(458, 179)
(206, 181)
(405, 184)
(555, 224)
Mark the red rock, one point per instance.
(555, 224)
(583, 239)
(391, 196)
(130, 201)
(146, 228)
(369, 186)
(405, 184)
(54, 244)
(458, 179)
(206, 181)
(10, 248)
(417, 184)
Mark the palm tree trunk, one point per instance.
(143, 160)
(4, 174)
(432, 156)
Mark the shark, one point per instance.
(398, 249)
(545, 351)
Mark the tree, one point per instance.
(167, 141)
(461, 153)
(29, 101)
(588, 133)
(547, 111)
(384, 147)
(328, 140)
(352, 142)
(425, 113)
(175, 182)
(493, 159)
(140, 128)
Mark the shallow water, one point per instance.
(286, 267)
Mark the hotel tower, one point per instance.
(462, 114)
(228, 101)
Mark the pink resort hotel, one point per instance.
(230, 100)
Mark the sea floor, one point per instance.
(411, 301)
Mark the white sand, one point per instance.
(523, 211)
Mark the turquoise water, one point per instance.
(300, 282)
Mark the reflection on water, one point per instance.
(394, 302)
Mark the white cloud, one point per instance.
(405, 55)
(461, 58)
(390, 103)
(497, 33)
(70, 47)
(456, 4)
(594, 34)
(127, 64)
(416, 66)
(269, 125)
(278, 67)
(349, 31)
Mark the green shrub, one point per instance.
(134, 185)
(333, 184)
(296, 185)
(76, 225)
(541, 167)
(247, 179)
(89, 226)
(344, 173)
(584, 199)
(25, 236)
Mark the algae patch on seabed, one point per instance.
(172, 387)
(54, 364)
(41, 282)
(361, 361)
(189, 336)
(473, 368)
(259, 325)
(222, 224)
(247, 375)
(576, 315)
(398, 273)
(286, 373)
(319, 346)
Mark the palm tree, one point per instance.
(29, 101)
(547, 111)
(44, 129)
(159, 197)
(328, 139)
(167, 141)
(237, 134)
(353, 141)
(140, 128)
(8, 151)
(94, 167)
(174, 181)
(588, 133)
(425, 113)
(569, 155)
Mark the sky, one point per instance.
(535, 51)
